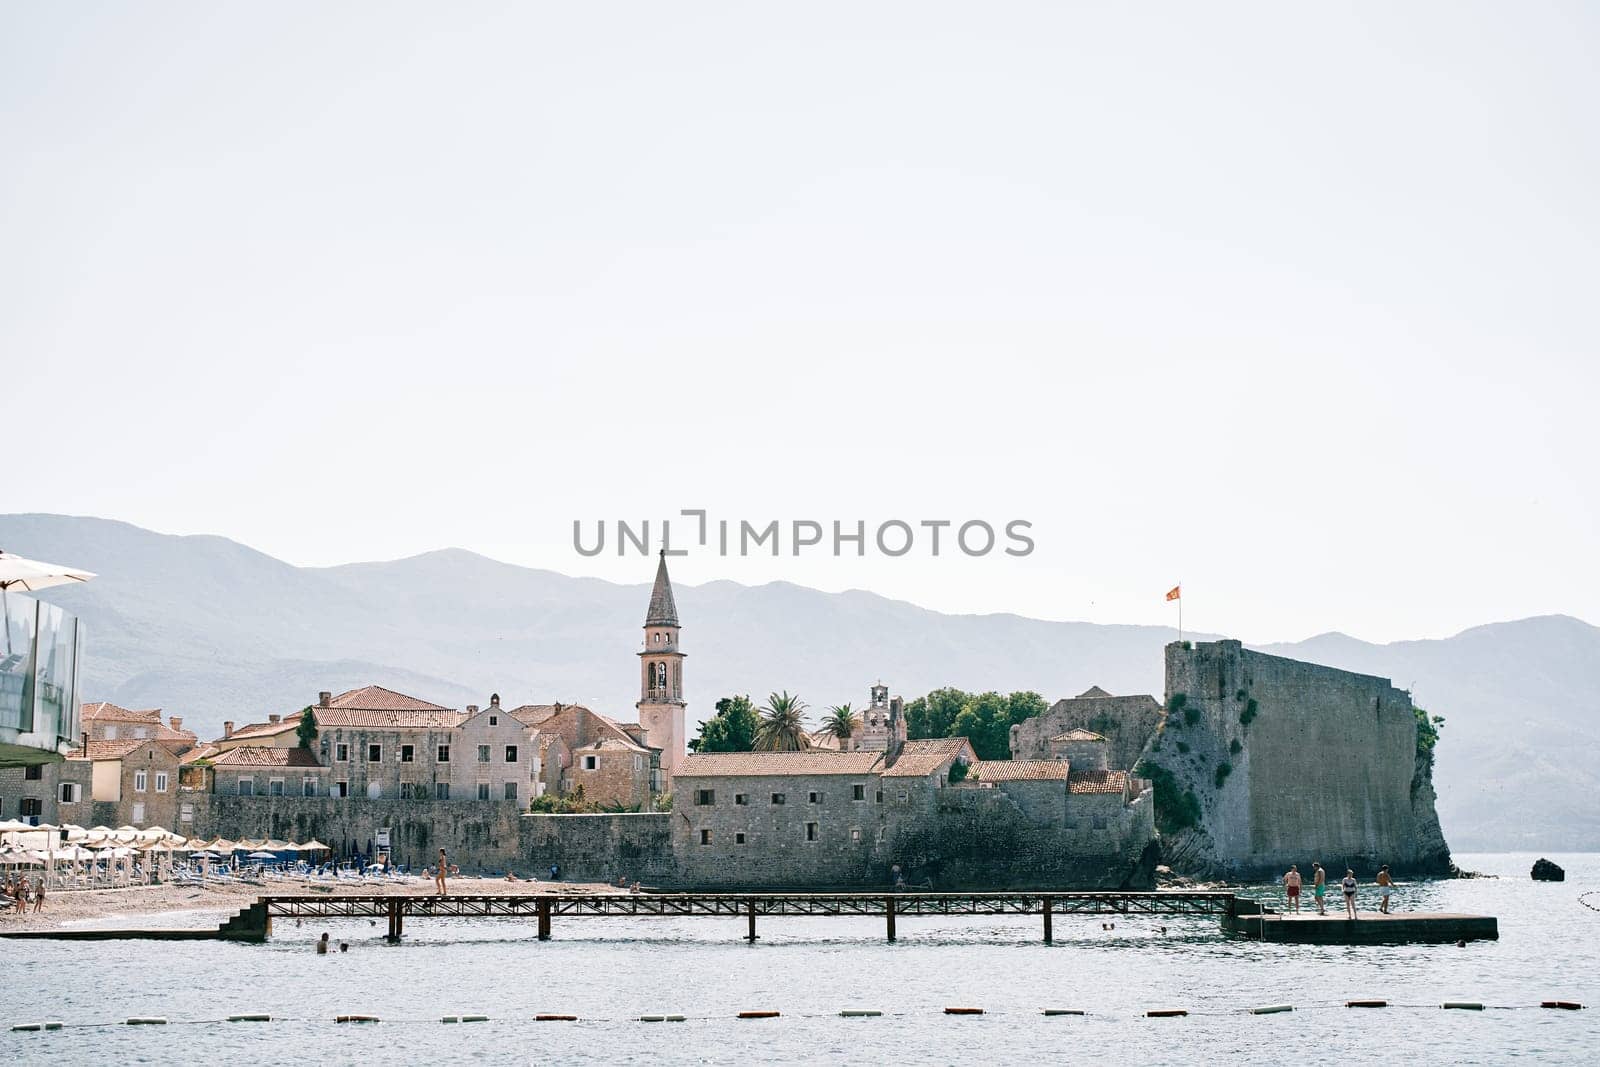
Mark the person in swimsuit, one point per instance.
(1291, 885)
(1349, 887)
(1319, 887)
(1385, 885)
(438, 877)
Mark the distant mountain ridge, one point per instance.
(213, 630)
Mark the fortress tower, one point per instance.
(661, 704)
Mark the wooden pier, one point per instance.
(546, 908)
(1372, 928)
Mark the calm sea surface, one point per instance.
(609, 972)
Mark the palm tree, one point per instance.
(783, 724)
(840, 722)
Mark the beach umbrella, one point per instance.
(274, 845)
(262, 856)
(314, 846)
(222, 844)
(21, 575)
(10, 825)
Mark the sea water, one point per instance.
(609, 972)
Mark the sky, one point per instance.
(1294, 305)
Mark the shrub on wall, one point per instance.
(1223, 770)
(1234, 747)
(1176, 807)
(1249, 713)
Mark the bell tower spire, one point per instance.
(661, 704)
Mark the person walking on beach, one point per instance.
(1385, 885)
(1349, 887)
(38, 897)
(1291, 886)
(1319, 886)
(438, 877)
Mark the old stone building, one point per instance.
(270, 772)
(133, 782)
(495, 756)
(105, 721)
(606, 760)
(883, 723)
(1126, 723)
(379, 743)
(279, 731)
(47, 793)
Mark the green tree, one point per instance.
(934, 714)
(306, 732)
(840, 722)
(986, 720)
(731, 729)
(783, 724)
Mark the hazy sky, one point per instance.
(1298, 306)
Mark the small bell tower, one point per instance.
(661, 704)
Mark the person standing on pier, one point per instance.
(1349, 887)
(1319, 887)
(438, 878)
(1385, 886)
(1291, 886)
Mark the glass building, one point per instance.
(39, 655)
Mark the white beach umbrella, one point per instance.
(21, 575)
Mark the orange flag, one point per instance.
(1175, 593)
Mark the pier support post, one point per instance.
(393, 909)
(889, 912)
(750, 914)
(1049, 931)
(544, 918)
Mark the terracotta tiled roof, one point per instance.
(364, 719)
(1079, 735)
(534, 714)
(612, 744)
(1021, 770)
(194, 755)
(254, 756)
(808, 762)
(823, 741)
(1097, 782)
(377, 698)
(266, 729)
(947, 745)
(919, 764)
(104, 750)
(105, 710)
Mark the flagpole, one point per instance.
(1180, 611)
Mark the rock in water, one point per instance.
(1545, 871)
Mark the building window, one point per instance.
(638, 764)
(483, 753)
(855, 836)
(111, 733)
(511, 753)
(138, 814)
(441, 790)
(341, 753)
(705, 837)
(405, 790)
(811, 831)
(591, 762)
(33, 772)
(139, 781)
(408, 753)
(247, 787)
(903, 798)
(494, 720)
(880, 796)
(374, 753)
(778, 798)
(704, 797)
(858, 792)
(741, 799)
(813, 798)
(69, 792)
(31, 807)
(483, 790)
(161, 781)
(511, 790)
(444, 753)
(275, 787)
(308, 787)
(341, 789)
(738, 838)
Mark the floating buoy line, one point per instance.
(1167, 1012)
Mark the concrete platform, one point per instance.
(1372, 928)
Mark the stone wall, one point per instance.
(1127, 723)
(1321, 765)
(600, 848)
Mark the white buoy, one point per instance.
(1271, 1009)
(49, 1024)
(661, 1018)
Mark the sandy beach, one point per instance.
(186, 906)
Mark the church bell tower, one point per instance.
(661, 703)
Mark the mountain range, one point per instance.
(212, 630)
